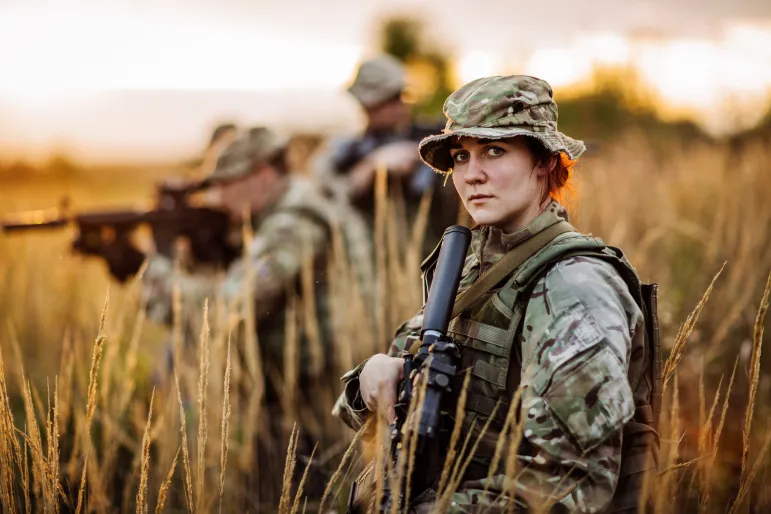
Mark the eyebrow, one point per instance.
(458, 146)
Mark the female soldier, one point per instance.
(567, 325)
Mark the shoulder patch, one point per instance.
(592, 401)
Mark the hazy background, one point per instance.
(144, 81)
(99, 101)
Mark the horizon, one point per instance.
(107, 81)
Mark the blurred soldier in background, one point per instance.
(391, 140)
(282, 276)
(222, 137)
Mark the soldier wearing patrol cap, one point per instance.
(291, 215)
(294, 224)
(570, 324)
(390, 139)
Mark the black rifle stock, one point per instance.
(436, 363)
(107, 233)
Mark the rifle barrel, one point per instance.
(34, 220)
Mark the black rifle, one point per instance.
(436, 363)
(107, 233)
(352, 152)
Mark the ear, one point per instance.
(545, 166)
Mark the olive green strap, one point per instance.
(508, 263)
(503, 268)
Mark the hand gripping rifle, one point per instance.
(107, 233)
(436, 362)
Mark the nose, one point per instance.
(475, 173)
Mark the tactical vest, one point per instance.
(490, 332)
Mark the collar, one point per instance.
(489, 243)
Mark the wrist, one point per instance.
(361, 177)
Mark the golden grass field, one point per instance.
(88, 425)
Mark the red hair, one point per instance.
(559, 184)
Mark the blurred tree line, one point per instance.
(58, 166)
(429, 67)
(612, 102)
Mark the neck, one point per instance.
(524, 218)
(272, 194)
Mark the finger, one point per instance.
(369, 401)
(387, 401)
(391, 416)
(401, 368)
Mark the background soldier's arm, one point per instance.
(273, 263)
(159, 281)
(576, 396)
(274, 260)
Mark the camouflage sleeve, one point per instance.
(349, 406)
(576, 346)
(274, 260)
(322, 168)
(159, 281)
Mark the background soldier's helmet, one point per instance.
(499, 108)
(378, 79)
(258, 145)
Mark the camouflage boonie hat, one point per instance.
(257, 146)
(378, 79)
(498, 108)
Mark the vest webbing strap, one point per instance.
(508, 263)
(503, 268)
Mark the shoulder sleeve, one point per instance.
(576, 397)
(159, 282)
(274, 259)
(582, 304)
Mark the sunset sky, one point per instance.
(147, 79)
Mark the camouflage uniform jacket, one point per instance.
(300, 225)
(567, 339)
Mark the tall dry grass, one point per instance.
(87, 443)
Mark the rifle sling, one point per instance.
(503, 268)
(508, 263)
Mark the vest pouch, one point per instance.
(486, 350)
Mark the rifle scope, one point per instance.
(444, 287)
(438, 353)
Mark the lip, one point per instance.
(479, 198)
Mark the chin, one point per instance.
(485, 219)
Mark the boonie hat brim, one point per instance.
(435, 150)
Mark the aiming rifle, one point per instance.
(107, 234)
(435, 363)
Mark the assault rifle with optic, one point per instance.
(432, 364)
(107, 233)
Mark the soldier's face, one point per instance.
(387, 116)
(499, 181)
(249, 193)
